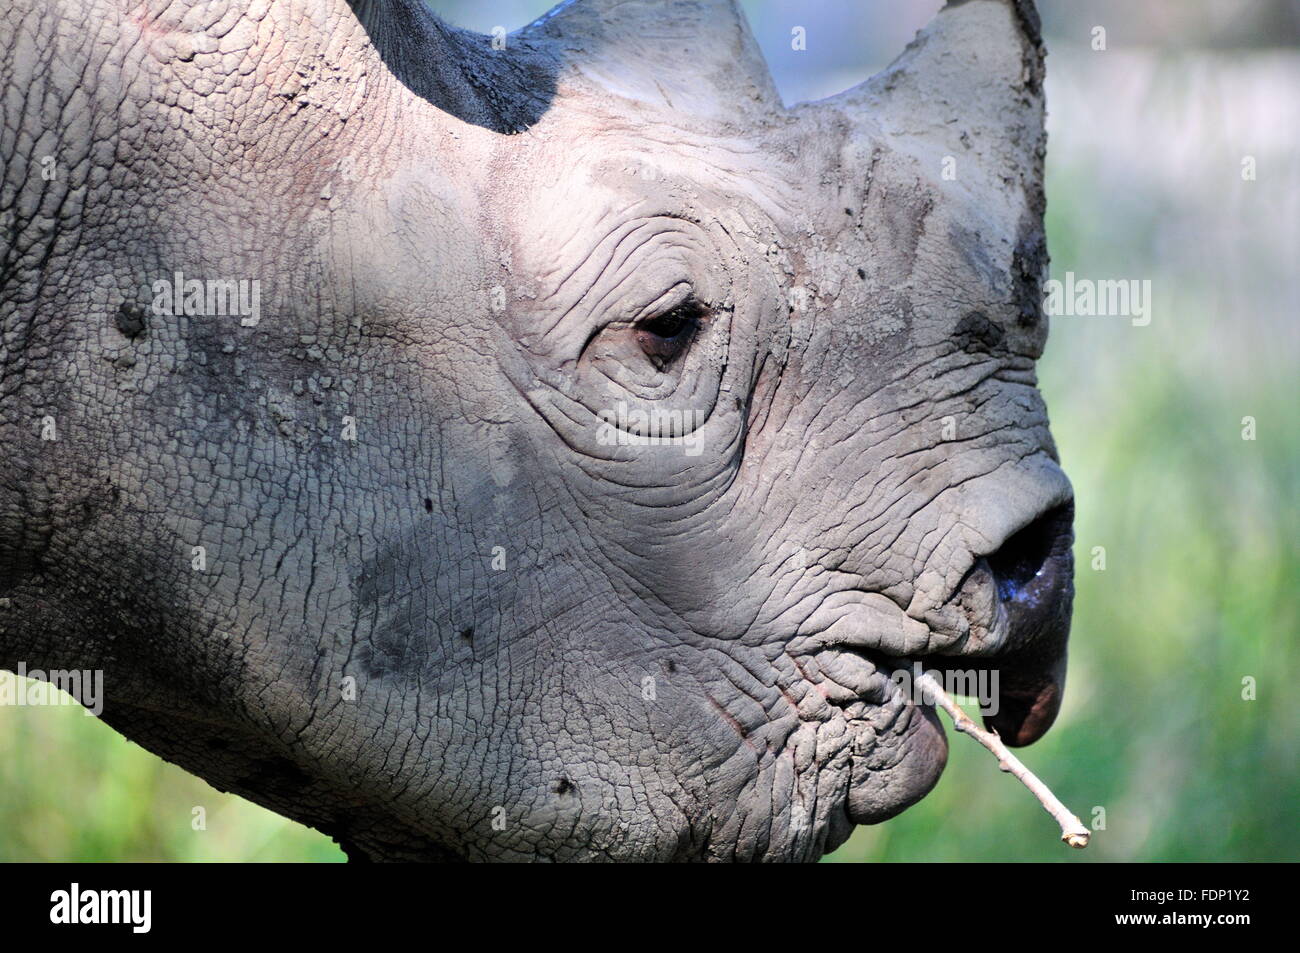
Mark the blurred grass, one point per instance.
(71, 788)
(1199, 526)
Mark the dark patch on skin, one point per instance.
(970, 245)
(401, 633)
(467, 634)
(862, 274)
(563, 786)
(1028, 265)
(975, 332)
(1029, 20)
(405, 641)
(366, 843)
(381, 659)
(278, 775)
(428, 505)
(130, 320)
(670, 666)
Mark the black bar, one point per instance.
(216, 903)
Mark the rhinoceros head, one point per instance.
(591, 439)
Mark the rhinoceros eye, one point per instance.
(665, 337)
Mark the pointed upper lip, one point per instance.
(1015, 603)
(1027, 591)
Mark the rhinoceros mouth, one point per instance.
(1016, 603)
(1030, 594)
(1023, 593)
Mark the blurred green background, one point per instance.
(1199, 526)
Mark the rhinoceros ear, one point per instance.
(969, 88)
(695, 56)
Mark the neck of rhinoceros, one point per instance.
(205, 148)
(132, 135)
(138, 140)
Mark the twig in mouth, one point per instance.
(1072, 830)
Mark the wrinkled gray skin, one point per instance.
(471, 253)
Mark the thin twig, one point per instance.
(1072, 830)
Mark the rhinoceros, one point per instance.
(543, 446)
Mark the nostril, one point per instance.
(1023, 557)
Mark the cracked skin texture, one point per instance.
(480, 630)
